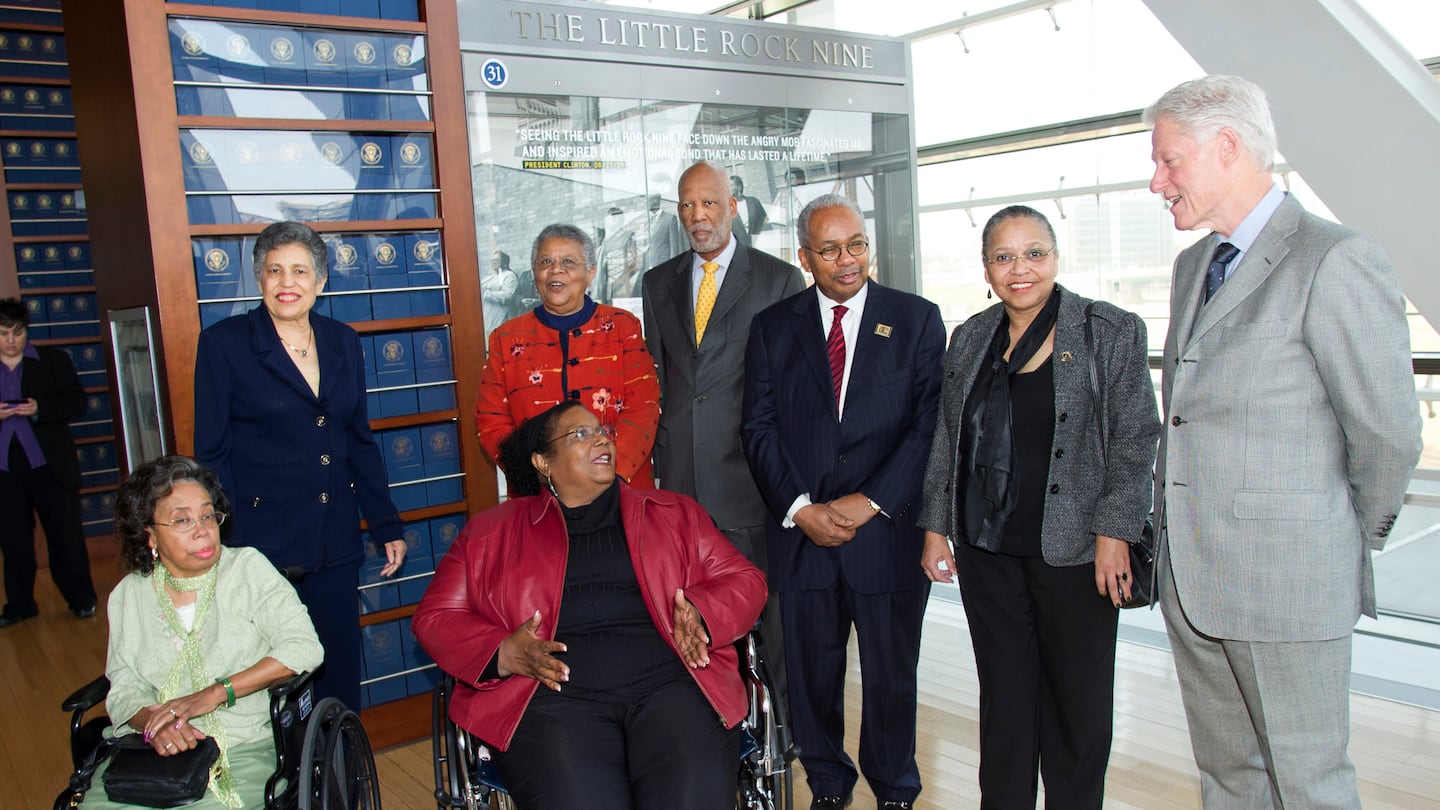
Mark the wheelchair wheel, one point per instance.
(337, 765)
(463, 781)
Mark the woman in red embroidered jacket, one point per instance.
(571, 349)
(624, 604)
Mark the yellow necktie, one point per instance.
(705, 301)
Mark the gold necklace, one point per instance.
(305, 352)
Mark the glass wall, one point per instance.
(997, 82)
(610, 165)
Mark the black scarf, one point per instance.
(984, 495)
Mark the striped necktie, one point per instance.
(835, 346)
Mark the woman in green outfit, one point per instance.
(198, 632)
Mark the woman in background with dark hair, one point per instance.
(39, 394)
(280, 416)
(198, 632)
(624, 604)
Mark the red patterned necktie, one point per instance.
(835, 346)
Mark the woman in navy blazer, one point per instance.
(280, 416)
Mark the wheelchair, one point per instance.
(323, 759)
(466, 780)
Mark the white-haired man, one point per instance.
(1291, 429)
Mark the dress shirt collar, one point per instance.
(1255, 221)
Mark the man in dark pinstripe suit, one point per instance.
(841, 387)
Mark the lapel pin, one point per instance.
(1066, 357)
(882, 329)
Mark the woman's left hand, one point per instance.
(169, 731)
(1112, 569)
(394, 557)
(690, 637)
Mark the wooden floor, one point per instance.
(1396, 748)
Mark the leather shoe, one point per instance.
(831, 802)
(896, 805)
(7, 619)
(85, 612)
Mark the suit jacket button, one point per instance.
(842, 459)
(1054, 489)
(324, 459)
(1059, 452)
(324, 497)
(1062, 417)
(1176, 421)
(319, 421)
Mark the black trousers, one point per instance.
(664, 752)
(887, 627)
(1045, 653)
(329, 595)
(24, 493)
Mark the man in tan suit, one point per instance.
(1291, 429)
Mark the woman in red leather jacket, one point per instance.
(624, 604)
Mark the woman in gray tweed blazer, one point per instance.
(1039, 524)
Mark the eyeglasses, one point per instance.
(567, 264)
(188, 525)
(587, 433)
(1033, 256)
(831, 253)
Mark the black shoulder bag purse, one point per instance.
(137, 775)
(1142, 552)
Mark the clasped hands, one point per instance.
(524, 653)
(167, 727)
(833, 524)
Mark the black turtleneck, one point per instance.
(615, 654)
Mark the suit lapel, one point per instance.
(675, 292)
(737, 281)
(869, 344)
(332, 363)
(272, 355)
(805, 329)
(1255, 266)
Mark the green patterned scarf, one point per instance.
(189, 675)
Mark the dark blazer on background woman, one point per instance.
(50, 380)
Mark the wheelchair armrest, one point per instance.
(87, 696)
(288, 686)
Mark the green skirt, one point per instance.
(251, 765)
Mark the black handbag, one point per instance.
(1142, 552)
(138, 775)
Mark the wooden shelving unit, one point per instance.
(140, 225)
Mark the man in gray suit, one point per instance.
(1291, 429)
(702, 368)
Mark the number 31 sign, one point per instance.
(494, 74)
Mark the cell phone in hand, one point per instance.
(13, 403)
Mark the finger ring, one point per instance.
(169, 745)
(172, 713)
(1124, 576)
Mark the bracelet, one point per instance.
(229, 692)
